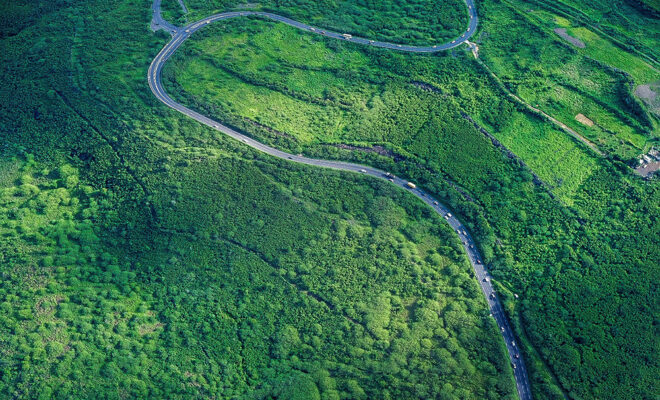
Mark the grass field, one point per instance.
(339, 97)
(565, 81)
(632, 24)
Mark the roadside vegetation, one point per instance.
(563, 228)
(172, 11)
(307, 92)
(422, 22)
(358, 294)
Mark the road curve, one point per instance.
(156, 85)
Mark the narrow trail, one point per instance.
(542, 113)
(181, 34)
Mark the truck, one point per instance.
(411, 185)
(347, 35)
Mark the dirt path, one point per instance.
(547, 116)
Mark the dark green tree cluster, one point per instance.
(421, 22)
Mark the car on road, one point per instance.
(411, 185)
(502, 329)
(391, 180)
(449, 215)
(513, 343)
(435, 202)
(364, 171)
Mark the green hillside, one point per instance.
(144, 255)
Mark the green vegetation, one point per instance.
(411, 21)
(172, 12)
(565, 81)
(357, 294)
(569, 257)
(260, 76)
(143, 255)
(632, 24)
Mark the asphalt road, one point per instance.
(157, 21)
(181, 34)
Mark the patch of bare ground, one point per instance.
(248, 5)
(648, 169)
(149, 328)
(581, 118)
(572, 40)
(649, 95)
(426, 86)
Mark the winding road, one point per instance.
(180, 34)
